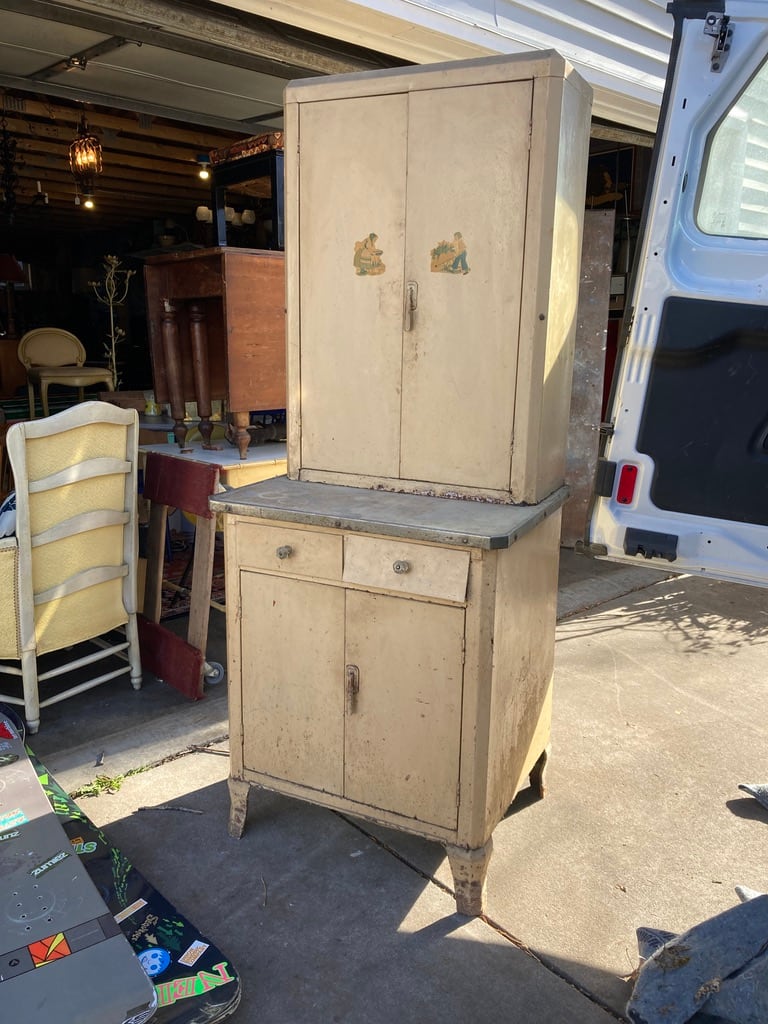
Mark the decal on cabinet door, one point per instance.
(367, 258)
(450, 257)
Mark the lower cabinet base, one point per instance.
(469, 865)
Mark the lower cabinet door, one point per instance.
(292, 647)
(354, 694)
(403, 723)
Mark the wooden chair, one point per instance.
(53, 356)
(69, 574)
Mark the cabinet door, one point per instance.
(464, 339)
(292, 679)
(403, 728)
(352, 185)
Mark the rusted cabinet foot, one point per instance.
(469, 868)
(538, 774)
(239, 791)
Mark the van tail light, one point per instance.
(625, 492)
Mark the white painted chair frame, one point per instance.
(111, 606)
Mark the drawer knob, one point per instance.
(401, 566)
(285, 551)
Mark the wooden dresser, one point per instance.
(217, 331)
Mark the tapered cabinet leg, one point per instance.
(469, 868)
(242, 437)
(239, 791)
(538, 775)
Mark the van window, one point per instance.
(733, 196)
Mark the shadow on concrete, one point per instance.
(702, 614)
(324, 924)
(747, 808)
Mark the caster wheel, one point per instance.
(214, 673)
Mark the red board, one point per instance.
(171, 659)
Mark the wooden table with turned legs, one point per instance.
(217, 331)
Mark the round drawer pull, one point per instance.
(401, 566)
(285, 551)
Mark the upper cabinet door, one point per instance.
(465, 230)
(685, 472)
(433, 219)
(352, 179)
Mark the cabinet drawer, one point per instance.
(288, 551)
(424, 569)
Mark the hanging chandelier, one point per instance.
(85, 158)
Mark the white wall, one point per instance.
(620, 46)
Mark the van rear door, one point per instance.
(683, 473)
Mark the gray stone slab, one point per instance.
(417, 516)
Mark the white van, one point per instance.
(683, 474)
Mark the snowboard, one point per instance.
(193, 981)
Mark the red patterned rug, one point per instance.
(178, 573)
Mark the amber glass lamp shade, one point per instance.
(85, 155)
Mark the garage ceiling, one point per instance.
(158, 82)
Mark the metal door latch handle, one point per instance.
(285, 551)
(411, 302)
(401, 566)
(353, 685)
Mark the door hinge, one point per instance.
(589, 550)
(605, 476)
(717, 25)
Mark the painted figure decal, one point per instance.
(367, 258)
(450, 257)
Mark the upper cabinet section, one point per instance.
(434, 229)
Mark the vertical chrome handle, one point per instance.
(411, 302)
(353, 686)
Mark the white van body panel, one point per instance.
(683, 480)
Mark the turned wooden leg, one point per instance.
(242, 437)
(170, 334)
(198, 337)
(469, 868)
(238, 806)
(538, 774)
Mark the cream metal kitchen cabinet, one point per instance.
(434, 218)
(391, 656)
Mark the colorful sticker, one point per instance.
(168, 992)
(367, 259)
(6, 759)
(12, 818)
(450, 257)
(41, 869)
(127, 911)
(193, 954)
(80, 846)
(149, 922)
(45, 951)
(5, 730)
(154, 961)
